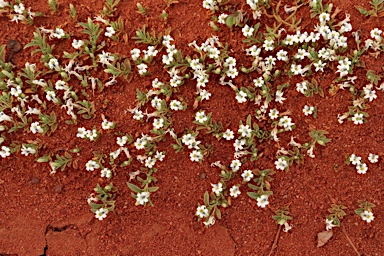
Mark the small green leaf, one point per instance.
(134, 188)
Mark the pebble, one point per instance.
(35, 180)
(58, 188)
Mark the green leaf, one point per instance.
(206, 198)
(218, 213)
(134, 188)
(153, 189)
(253, 195)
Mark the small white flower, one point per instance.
(205, 95)
(217, 188)
(58, 33)
(286, 122)
(196, 156)
(232, 72)
(19, 8)
(142, 69)
(176, 105)
(135, 53)
(228, 134)
(142, 198)
(247, 175)
(376, 34)
(245, 131)
(77, 43)
(279, 97)
(16, 91)
(107, 124)
(367, 216)
(138, 115)
(53, 63)
(36, 128)
(27, 150)
(281, 164)
(362, 168)
(301, 87)
(5, 151)
(235, 165)
(91, 165)
(109, 32)
(201, 117)
(308, 110)
(81, 132)
(239, 144)
(329, 224)
(222, 17)
(121, 141)
(273, 114)
(373, 158)
(150, 162)
(358, 119)
(355, 160)
(202, 211)
(107, 173)
(101, 213)
(234, 191)
(241, 97)
(105, 58)
(259, 82)
(324, 17)
(140, 143)
(160, 156)
(158, 123)
(282, 55)
(262, 201)
(247, 31)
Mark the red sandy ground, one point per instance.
(48, 215)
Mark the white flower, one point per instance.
(268, 44)
(156, 102)
(329, 224)
(107, 124)
(282, 55)
(91, 165)
(51, 96)
(376, 34)
(36, 128)
(142, 198)
(3, 4)
(138, 115)
(286, 122)
(58, 33)
(273, 114)
(367, 216)
(247, 31)
(27, 150)
(370, 94)
(222, 17)
(4, 117)
(210, 221)
(135, 53)
(281, 164)
(77, 43)
(53, 63)
(105, 58)
(176, 105)
(160, 156)
(235, 165)
(101, 213)
(373, 158)
(16, 91)
(239, 144)
(355, 160)
(92, 134)
(109, 32)
(142, 69)
(245, 131)
(241, 97)
(196, 156)
(202, 211)
(150, 162)
(201, 117)
(324, 17)
(217, 188)
(158, 123)
(209, 4)
(19, 8)
(234, 191)
(140, 143)
(205, 95)
(358, 118)
(232, 72)
(228, 134)
(247, 175)
(301, 87)
(107, 173)
(308, 110)
(262, 201)
(5, 151)
(81, 132)
(279, 97)
(319, 65)
(121, 141)
(361, 168)
(61, 85)
(259, 82)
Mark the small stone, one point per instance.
(58, 188)
(35, 180)
(202, 175)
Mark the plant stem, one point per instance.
(350, 241)
(275, 242)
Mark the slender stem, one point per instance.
(350, 241)
(275, 242)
